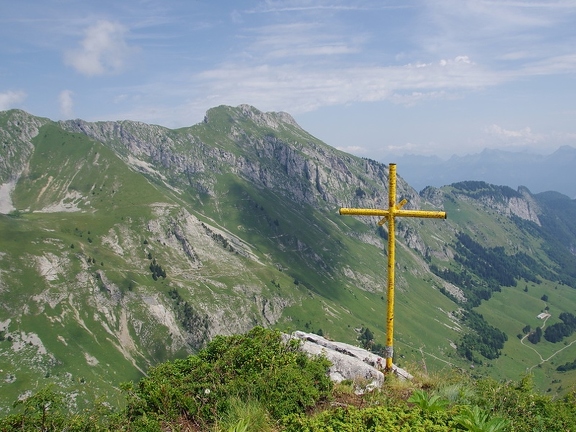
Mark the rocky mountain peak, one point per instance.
(272, 120)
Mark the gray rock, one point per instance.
(348, 361)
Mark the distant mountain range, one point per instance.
(555, 172)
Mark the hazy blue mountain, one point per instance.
(554, 172)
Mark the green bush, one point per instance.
(352, 419)
(474, 419)
(428, 402)
(245, 416)
(46, 410)
(525, 409)
(258, 365)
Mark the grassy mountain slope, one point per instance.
(132, 243)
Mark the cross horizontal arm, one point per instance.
(385, 213)
(363, 212)
(421, 214)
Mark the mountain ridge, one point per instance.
(129, 244)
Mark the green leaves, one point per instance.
(258, 365)
(475, 419)
(380, 418)
(47, 410)
(428, 402)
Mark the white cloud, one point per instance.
(103, 50)
(66, 103)
(299, 6)
(525, 139)
(299, 60)
(504, 133)
(407, 148)
(552, 65)
(497, 30)
(11, 99)
(236, 17)
(514, 138)
(300, 88)
(415, 97)
(353, 149)
(301, 40)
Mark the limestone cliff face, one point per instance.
(434, 195)
(16, 138)
(269, 151)
(528, 208)
(501, 199)
(524, 206)
(277, 155)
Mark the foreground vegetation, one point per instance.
(260, 382)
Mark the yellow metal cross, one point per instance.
(393, 211)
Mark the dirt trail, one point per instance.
(542, 359)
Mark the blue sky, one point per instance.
(375, 78)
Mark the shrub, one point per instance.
(475, 419)
(525, 409)
(258, 366)
(46, 410)
(244, 416)
(394, 418)
(428, 402)
(42, 410)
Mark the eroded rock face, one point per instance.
(348, 361)
(525, 207)
(16, 138)
(280, 156)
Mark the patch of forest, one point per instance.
(480, 189)
(485, 270)
(484, 338)
(558, 229)
(557, 332)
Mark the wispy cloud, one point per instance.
(510, 138)
(103, 50)
(526, 138)
(299, 88)
(407, 148)
(66, 103)
(299, 6)
(271, 6)
(354, 149)
(300, 62)
(11, 99)
(494, 30)
(552, 65)
(297, 40)
(305, 63)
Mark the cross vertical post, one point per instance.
(389, 215)
(389, 350)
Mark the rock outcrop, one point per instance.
(349, 362)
